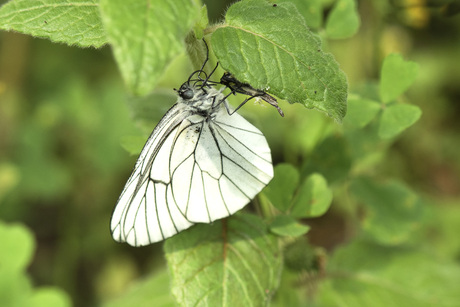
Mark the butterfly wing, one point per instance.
(143, 214)
(193, 169)
(230, 164)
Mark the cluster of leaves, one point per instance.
(15, 286)
(270, 46)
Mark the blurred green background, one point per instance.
(64, 113)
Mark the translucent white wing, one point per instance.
(193, 169)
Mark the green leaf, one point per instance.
(146, 36)
(74, 22)
(396, 118)
(133, 143)
(393, 211)
(313, 199)
(272, 47)
(44, 297)
(281, 188)
(153, 291)
(232, 262)
(284, 225)
(20, 244)
(331, 159)
(202, 23)
(300, 255)
(396, 77)
(363, 274)
(15, 288)
(312, 11)
(361, 111)
(343, 21)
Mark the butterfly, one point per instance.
(201, 163)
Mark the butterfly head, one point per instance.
(186, 91)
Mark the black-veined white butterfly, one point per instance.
(201, 163)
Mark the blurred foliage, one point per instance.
(389, 236)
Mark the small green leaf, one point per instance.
(312, 11)
(272, 47)
(20, 244)
(361, 111)
(393, 211)
(74, 22)
(396, 77)
(152, 291)
(146, 36)
(133, 143)
(44, 297)
(287, 226)
(343, 21)
(300, 255)
(202, 23)
(232, 262)
(281, 189)
(396, 118)
(313, 199)
(331, 159)
(15, 288)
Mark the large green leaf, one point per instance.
(271, 47)
(232, 262)
(145, 36)
(75, 22)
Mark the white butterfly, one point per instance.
(199, 164)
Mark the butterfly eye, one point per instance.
(187, 94)
(185, 91)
